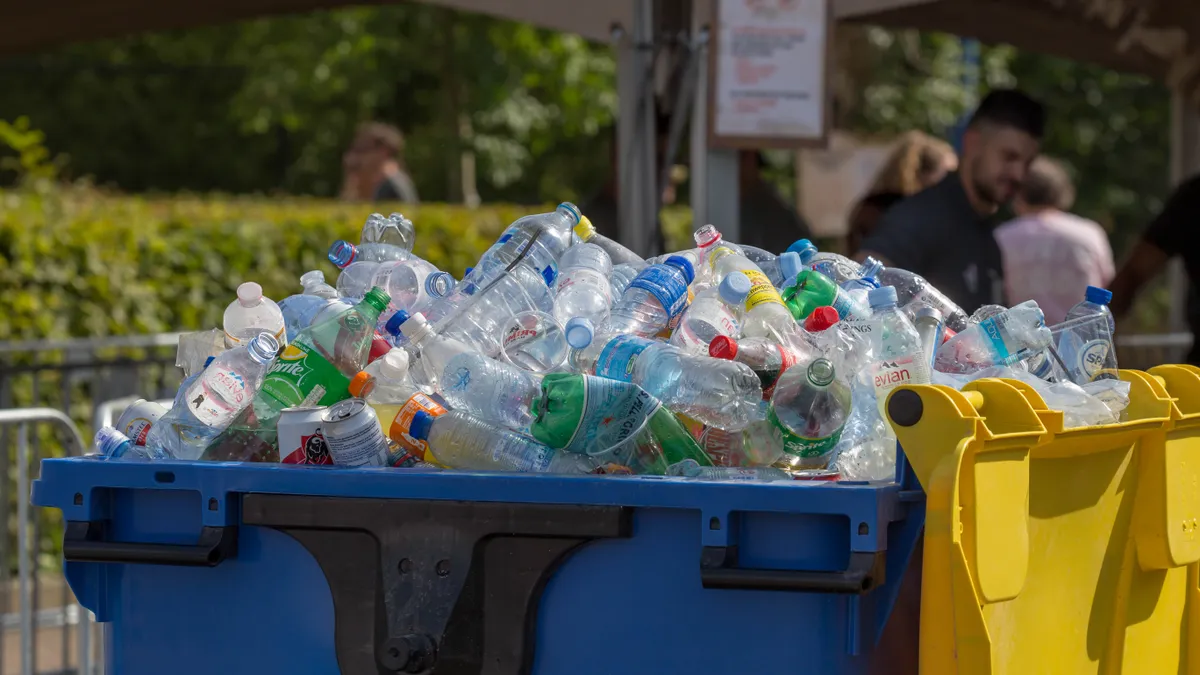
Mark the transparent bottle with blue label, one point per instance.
(1002, 340)
(1085, 338)
(654, 299)
(723, 394)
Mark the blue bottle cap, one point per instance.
(580, 332)
(393, 324)
(684, 266)
(804, 248)
(439, 284)
(467, 272)
(342, 253)
(1098, 296)
(420, 425)
(111, 443)
(882, 296)
(734, 288)
(790, 265)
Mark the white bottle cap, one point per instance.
(394, 364)
(416, 328)
(249, 294)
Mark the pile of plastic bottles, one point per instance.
(562, 351)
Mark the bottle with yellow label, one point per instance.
(765, 313)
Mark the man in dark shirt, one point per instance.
(1173, 233)
(944, 233)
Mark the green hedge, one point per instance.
(79, 263)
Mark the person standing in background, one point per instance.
(919, 161)
(373, 167)
(945, 232)
(1050, 255)
(1173, 233)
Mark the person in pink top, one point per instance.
(1050, 255)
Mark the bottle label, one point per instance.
(549, 274)
(762, 291)
(298, 373)
(1093, 358)
(770, 379)
(891, 373)
(802, 446)
(845, 308)
(619, 356)
(996, 331)
(137, 429)
(613, 412)
(398, 430)
(217, 396)
(529, 457)
(668, 289)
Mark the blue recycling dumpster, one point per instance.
(242, 568)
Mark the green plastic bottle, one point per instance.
(812, 290)
(315, 369)
(612, 420)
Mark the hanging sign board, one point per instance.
(770, 73)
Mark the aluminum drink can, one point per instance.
(353, 434)
(301, 440)
(137, 419)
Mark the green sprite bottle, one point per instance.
(812, 290)
(315, 369)
(612, 421)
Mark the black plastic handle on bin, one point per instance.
(86, 541)
(718, 569)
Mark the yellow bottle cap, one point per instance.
(584, 229)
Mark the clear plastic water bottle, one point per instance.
(914, 292)
(690, 468)
(395, 230)
(112, 444)
(837, 267)
(477, 315)
(810, 407)
(299, 310)
(617, 252)
(720, 393)
(706, 318)
(623, 275)
(413, 284)
(433, 351)
(214, 399)
(551, 236)
(491, 390)
(459, 441)
(1002, 340)
(356, 278)
(534, 341)
(1085, 341)
(653, 299)
(251, 314)
(900, 357)
(584, 288)
(857, 289)
(313, 282)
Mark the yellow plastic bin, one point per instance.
(1057, 550)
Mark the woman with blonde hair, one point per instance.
(919, 161)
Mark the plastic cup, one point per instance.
(534, 341)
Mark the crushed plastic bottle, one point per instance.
(491, 390)
(914, 292)
(584, 288)
(835, 267)
(1001, 340)
(535, 341)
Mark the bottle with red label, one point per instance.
(767, 358)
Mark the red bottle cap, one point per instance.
(379, 347)
(723, 347)
(820, 319)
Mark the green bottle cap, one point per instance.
(377, 298)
